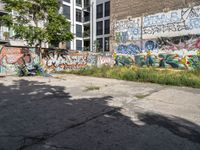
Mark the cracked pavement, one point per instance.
(68, 112)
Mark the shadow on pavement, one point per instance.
(38, 116)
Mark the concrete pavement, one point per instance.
(86, 113)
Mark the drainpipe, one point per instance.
(92, 31)
(141, 34)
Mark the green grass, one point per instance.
(91, 88)
(152, 75)
(141, 96)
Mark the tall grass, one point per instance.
(152, 75)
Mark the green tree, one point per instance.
(37, 21)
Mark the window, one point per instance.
(107, 9)
(100, 11)
(99, 28)
(78, 30)
(79, 45)
(86, 3)
(99, 44)
(67, 1)
(78, 15)
(68, 45)
(79, 3)
(107, 27)
(106, 44)
(66, 11)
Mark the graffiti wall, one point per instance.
(60, 60)
(127, 30)
(173, 23)
(170, 39)
(11, 58)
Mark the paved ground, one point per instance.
(83, 113)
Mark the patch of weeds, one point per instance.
(141, 96)
(152, 75)
(92, 88)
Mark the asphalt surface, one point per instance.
(68, 112)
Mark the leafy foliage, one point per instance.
(37, 21)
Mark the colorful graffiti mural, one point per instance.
(166, 24)
(170, 39)
(105, 60)
(175, 52)
(64, 60)
(127, 30)
(59, 60)
(11, 58)
(173, 23)
(122, 60)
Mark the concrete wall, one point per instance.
(157, 32)
(52, 60)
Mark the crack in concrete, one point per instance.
(142, 96)
(42, 138)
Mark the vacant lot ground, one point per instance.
(84, 113)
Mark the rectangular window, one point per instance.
(107, 9)
(99, 45)
(78, 15)
(78, 30)
(100, 11)
(99, 28)
(107, 44)
(79, 3)
(68, 1)
(79, 45)
(66, 11)
(107, 27)
(86, 3)
(68, 45)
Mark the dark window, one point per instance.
(78, 30)
(86, 3)
(68, 45)
(100, 11)
(107, 27)
(67, 1)
(106, 44)
(100, 28)
(99, 45)
(79, 45)
(78, 15)
(86, 16)
(79, 3)
(107, 9)
(66, 11)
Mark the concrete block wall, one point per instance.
(157, 29)
(120, 9)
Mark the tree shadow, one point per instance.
(36, 115)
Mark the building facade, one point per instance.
(100, 26)
(135, 17)
(164, 33)
(90, 23)
(4, 32)
(73, 10)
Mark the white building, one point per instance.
(73, 10)
(100, 25)
(90, 23)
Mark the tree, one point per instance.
(37, 21)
